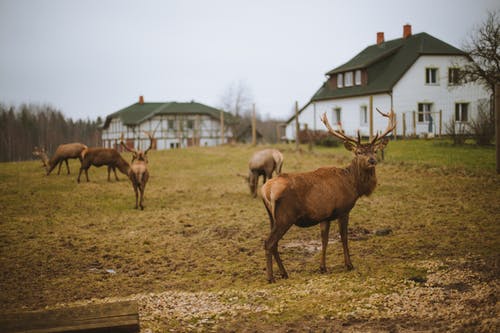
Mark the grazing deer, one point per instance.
(103, 156)
(62, 154)
(321, 196)
(138, 172)
(263, 163)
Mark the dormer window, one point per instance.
(340, 80)
(357, 77)
(348, 79)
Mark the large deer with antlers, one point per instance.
(138, 172)
(321, 196)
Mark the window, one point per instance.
(357, 77)
(171, 124)
(462, 112)
(431, 75)
(424, 112)
(453, 76)
(190, 124)
(348, 79)
(363, 115)
(337, 116)
(340, 80)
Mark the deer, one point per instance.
(103, 156)
(322, 196)
(263, 163)
(62, 154)
(138, 173)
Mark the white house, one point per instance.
(415, 75)
(173, 124)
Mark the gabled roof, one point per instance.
(137, 113)
(385, 64)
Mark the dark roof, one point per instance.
(385, 64)
(137, 113)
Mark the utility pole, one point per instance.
(254, 129)
(297, 126)
(222, 127)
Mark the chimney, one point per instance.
(141, 99)
(406, 30)
(380, 38)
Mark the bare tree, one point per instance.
(483, 48)
(237, 99)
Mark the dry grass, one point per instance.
(194, 257)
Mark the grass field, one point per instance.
(194, 258)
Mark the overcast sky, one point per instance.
(91, 58)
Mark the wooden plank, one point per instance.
(110, 317)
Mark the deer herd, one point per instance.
(303, 199)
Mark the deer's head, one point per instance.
(138, 155)
(365, 153)
(42, 154)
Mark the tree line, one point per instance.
(26, 126)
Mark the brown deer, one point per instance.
(103, 156)
(62, 154)
(138, 172)
(321, 196)
(263, 163)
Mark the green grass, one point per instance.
(201, 232)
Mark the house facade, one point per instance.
(173, 125)
(415, 75)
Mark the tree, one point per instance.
(483, 48)
(237, 99)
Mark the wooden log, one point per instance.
(120, 317)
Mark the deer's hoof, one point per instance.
(322, 270)
(349, 267)
(271, 280)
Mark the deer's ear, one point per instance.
(381, 144)
(349, 146)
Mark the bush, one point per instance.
(457, 131)
(482, 128)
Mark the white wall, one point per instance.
(204, 128)
(350, 115)
(411, 89)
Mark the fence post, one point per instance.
(497, 124)
(440, 122)
(414, 123)
(404, 125)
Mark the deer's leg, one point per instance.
(67, 165)
(271, 248)
(343, 221)
(114, 171)
(141, 188)
(325, 230)
(109, 173)
(136, 195)
(59, 170)
(277, 257)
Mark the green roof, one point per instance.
(137, 113)
(385, 64)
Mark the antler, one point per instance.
(390, 126)
(339, 134)
(150, 136)
(132, 150)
